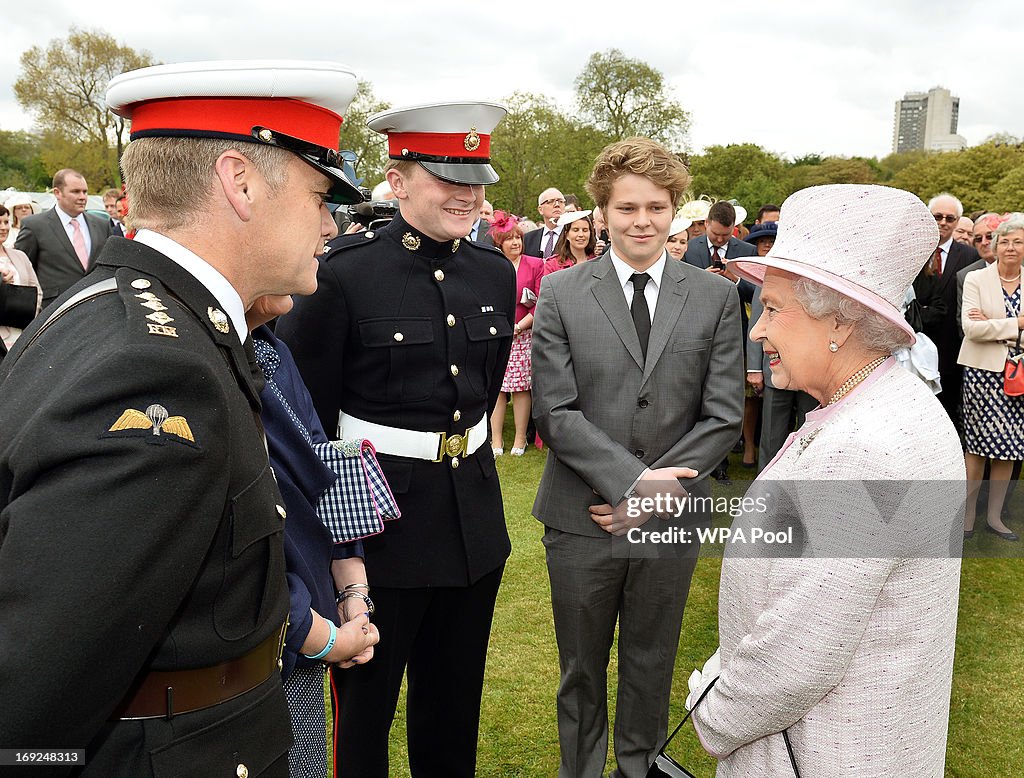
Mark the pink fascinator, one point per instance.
(502, 224)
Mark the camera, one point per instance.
(372, 214)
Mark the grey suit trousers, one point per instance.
(593, 586)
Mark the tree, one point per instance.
(538, 146)
(21, 164)
(371, 148)
(833, 170)
(743, 171)
(971, 175)
(64, 86)
(623, 97)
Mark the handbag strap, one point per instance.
(703, 694)
(700, 699)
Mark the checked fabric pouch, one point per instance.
(360, 501)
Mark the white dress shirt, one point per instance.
(203, 272)
(82, 223)
(945, 252)
(655, 271)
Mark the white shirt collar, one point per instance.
(712, 248)
(204, 273)
(66, 219)
(624, 271)
(946, 246)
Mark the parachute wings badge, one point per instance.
(156, 419)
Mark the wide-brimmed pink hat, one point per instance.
(864, 241)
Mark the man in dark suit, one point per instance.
(541, 241)
(950, 258)
(62, 243)
(111, 198)
(710, 252)
(405, 344)
(638, 382)
(482, 225)
(142, 578)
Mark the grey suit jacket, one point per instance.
(604, 412)
(43, 238)
(697, 253)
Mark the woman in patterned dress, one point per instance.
(993, 422)
(507, 235)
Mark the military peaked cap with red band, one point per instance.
(450, 140)
(292, 104)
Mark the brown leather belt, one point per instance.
(167, 693)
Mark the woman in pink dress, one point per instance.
(575, 243)
(507, 236)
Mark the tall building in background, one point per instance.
(927, 120)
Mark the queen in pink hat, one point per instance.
(837, 643)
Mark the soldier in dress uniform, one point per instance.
(142, 581)
(405, 343)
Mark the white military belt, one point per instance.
(432, 446)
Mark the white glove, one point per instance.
(699, 679)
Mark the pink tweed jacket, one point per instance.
(854, 655)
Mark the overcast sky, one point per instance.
(795, 81)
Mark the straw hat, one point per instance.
(866, 242)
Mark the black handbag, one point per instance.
(665, 766)
(17, 305)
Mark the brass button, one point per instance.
(242, 771)
(141, 283)
(455, 370)
(457, 415)
(280, 664)
(455, 463)
(439, 275)
(266, 136)
(369, 233)
(451, 320)
(282, 512)
(399, 337)
(493, 331)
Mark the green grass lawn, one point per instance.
(518, 735)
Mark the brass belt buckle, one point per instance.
(454, 446)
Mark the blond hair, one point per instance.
(168, 180)
(642, 157)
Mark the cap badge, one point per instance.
(472, 140)
(411, 242)
(156, 419)
(219, 320)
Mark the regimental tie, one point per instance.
(639, 310)
(937, 261)
(78, 241)
(549, 247)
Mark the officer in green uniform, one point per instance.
(142, 586)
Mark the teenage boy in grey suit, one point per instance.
(638, 383)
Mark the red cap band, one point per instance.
(237, 116)
(440, 144)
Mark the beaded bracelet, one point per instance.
(364, 597)
(330, 642)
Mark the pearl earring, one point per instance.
(833, 347)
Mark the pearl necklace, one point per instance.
(854, 380)
(1009, 280)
